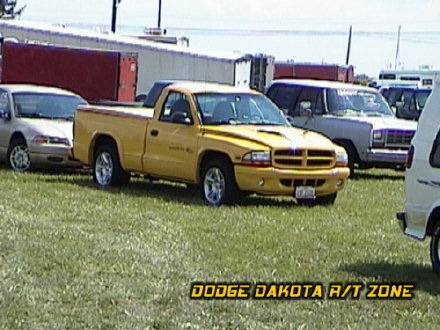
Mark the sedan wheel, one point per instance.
(19, 159)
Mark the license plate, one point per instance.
(305, 192)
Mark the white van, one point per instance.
(421, 216)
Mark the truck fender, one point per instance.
(99, 138)
(207, 155)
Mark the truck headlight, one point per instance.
(257, 158)
(45, 139)
(378, 138)
(341, 158)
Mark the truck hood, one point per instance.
(384, 123)
(49, 127)
(275, 137)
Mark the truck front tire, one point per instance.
(107, 169)
(435, 249)
(218, 184)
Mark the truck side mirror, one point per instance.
(5, 114)
(305, 109)
(181, 118)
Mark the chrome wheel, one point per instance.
(214, 186)
(104, 168)
(19, 158)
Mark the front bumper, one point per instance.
(387, 156)
(274, 181)
(47, 155)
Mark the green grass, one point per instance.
(76, 257)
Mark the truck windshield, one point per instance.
(46, 105)
(238, 109)
(354, 102)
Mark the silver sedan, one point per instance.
(36, 125)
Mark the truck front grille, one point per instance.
(301, 182)
(303, 158)
(399, 139)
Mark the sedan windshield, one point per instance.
(357, 103)
(238, 109)
(46, 105)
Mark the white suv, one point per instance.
(421, 216)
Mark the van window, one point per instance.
(314, 96)
(387, 76)
(434, 158)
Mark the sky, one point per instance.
(372, 15)
(303, 15)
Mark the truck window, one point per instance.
(314, 95)
(284, 96)
(434, 158)
(4, 101)
(175, 102)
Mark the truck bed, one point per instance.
(128, 131)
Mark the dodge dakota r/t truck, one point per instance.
(229, 141)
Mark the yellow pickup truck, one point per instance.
(227, 140)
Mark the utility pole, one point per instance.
(347, 59)
(159, 14)
(114, 9)
(396, 60)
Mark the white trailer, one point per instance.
(156, 61)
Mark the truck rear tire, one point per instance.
(218, 184)
(107, 169)
(435, 249)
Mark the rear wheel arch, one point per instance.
(433, 219)
(100, 140)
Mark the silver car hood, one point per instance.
(49, 127)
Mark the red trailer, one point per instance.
(333, 72)
(93, 74)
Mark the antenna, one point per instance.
(397, 48)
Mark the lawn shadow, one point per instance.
(422, 275)
(164, 190)
(363, 175)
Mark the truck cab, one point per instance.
(355, 117)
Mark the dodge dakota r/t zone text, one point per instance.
(229, 141)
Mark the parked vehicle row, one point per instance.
(231, 141)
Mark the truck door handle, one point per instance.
(154, 132)
(436, 183)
